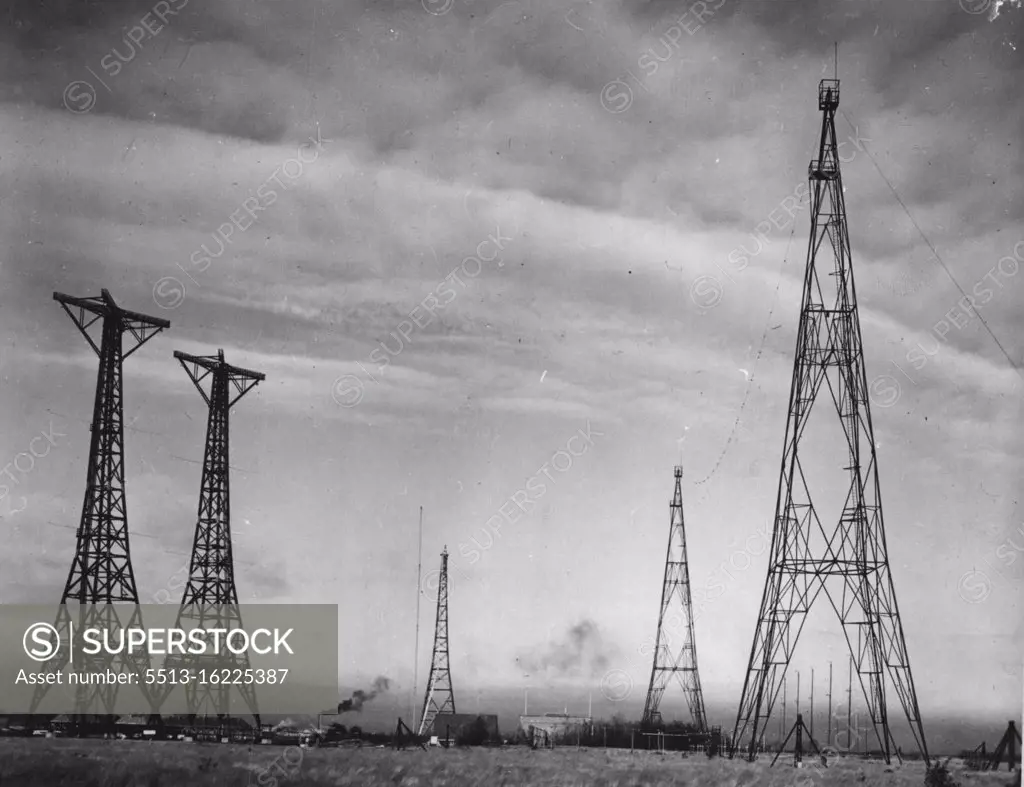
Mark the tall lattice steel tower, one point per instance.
(101, 571)
(439, 684)
(677, 602)
(849, 560)
(210, 599)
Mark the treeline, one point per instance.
(614, 733)
(337, 733)
(618, 733)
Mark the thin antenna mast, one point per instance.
(782, 730)
(849, 709)
(812, 702)
(829, 742)
(419, 592)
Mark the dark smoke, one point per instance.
(360, 697)
(581, 652)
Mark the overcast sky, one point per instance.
(606, 162)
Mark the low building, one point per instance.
(474, 728)
(132, 726)
(60, 723)
(552, 728)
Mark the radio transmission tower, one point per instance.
(210, 599)
(439, 684)
(849, 560)
(676, 592)
(101, 571)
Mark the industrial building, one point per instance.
(454, 727)
(554, 727)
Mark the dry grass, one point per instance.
(61, 763)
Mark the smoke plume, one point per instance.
(360, 697)
(580, 652)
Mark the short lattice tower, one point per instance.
(675, 650)
(440, 698)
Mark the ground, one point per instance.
(28, 762)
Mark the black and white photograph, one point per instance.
(558, 393)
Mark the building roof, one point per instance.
(553, 718)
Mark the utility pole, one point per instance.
(812, 702)
(829, 743)
(849, 710)
(419, 592)
(782, 728)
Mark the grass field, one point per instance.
(61, 763)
